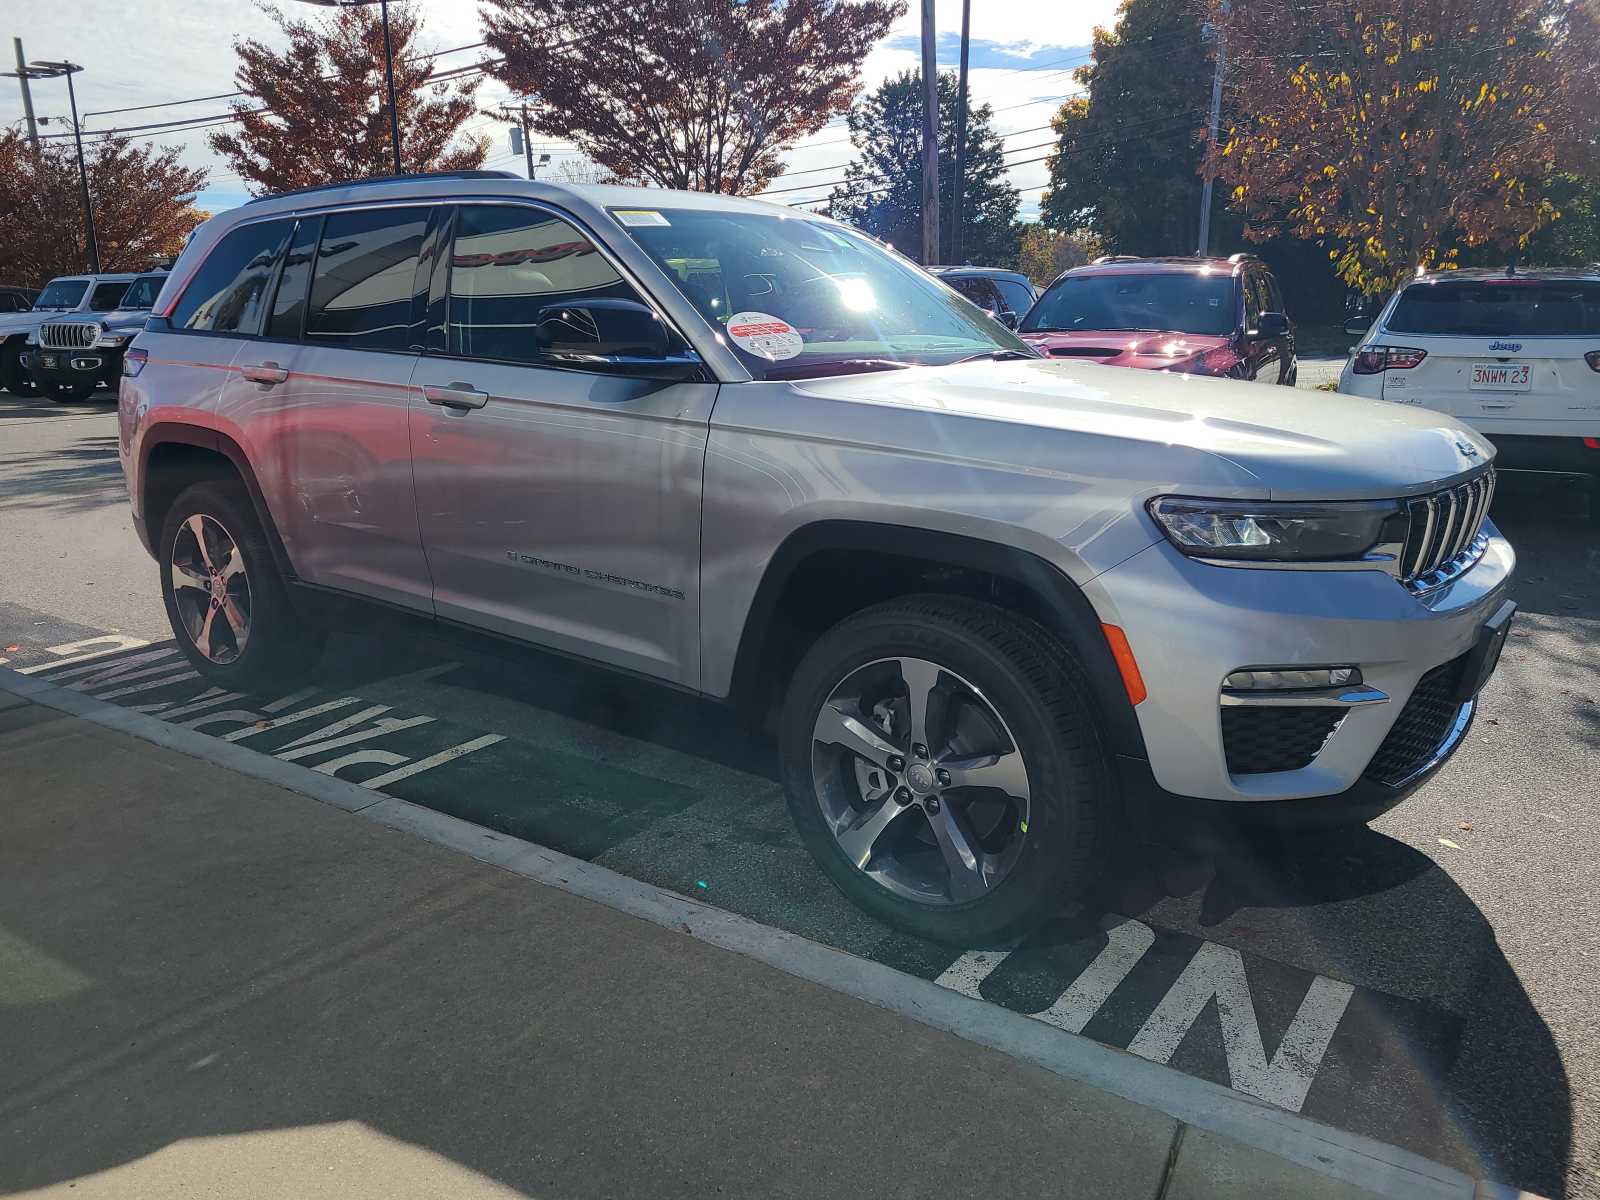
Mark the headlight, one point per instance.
(1255, 531)
(113, 339)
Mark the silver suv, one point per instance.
(1000, 603)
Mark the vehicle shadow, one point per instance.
(22, 407)
(84, 475)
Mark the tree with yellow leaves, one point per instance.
(1399, 132)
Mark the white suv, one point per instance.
(1515, 354)
(1004, 601)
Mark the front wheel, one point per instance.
(14, 377)
(224, 597)
(943, 763)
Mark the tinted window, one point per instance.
(62, 293)
(980, 291)
(1530, 308)
(1255, 299)
(106, 296)
(9, 303)
(228, 292)
(289, 306)
(1165, 303)
(362, 286)
(142, 293)
(511, 269)
(1017, 297)
(1274, 296)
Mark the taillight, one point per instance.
(1374, 360)
(1592, 443)
(1593, 359)
(133, 362)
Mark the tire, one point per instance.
(68, 393)
(1002, 680)
(13, 377)
(278, 649)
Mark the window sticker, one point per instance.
(765, 335)
(637, 217)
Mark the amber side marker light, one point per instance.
(1123, 653)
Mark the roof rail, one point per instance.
(1112, 258)
(350, 183)
(1244, 256)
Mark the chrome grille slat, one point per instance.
(68, 335)
(1446, 535)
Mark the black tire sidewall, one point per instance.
(1056, 861)
(12, 376)
(280, 647)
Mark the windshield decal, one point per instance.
(639, 217)
(764, 335)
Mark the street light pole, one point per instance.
(54, 70)
(930, 139)
(1211, 136)
(388, 75)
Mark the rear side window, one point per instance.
(9, 303)
(1526, 308)
(289, 306)
(512, 271)
(229, 292)
(107, 296)
(365, 274)
(980, 291)
(1017, 298)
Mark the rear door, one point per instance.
(1507, 355)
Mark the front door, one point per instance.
(558, 505)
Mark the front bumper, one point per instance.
(47, 365)
(1190, 625)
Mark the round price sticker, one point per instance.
(764, 334)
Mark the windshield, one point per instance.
(62, 293)
(142, 292)
(1526, 308)
(798, 297)
(1167, 303)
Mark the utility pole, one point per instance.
(527, 142)
(961, 138)
(27, 97)
(930, 139)
(388, 76)
(1211, 136)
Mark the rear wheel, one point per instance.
(14, 376)
(225, 599)
(942, 761)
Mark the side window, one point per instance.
(229, 291)
(980, 291)
(1017, 297)
(526, 286)
(8, 302)
(107, 296)
(1274, 296)
(289, 305)
(361, 287)
(1253, 299)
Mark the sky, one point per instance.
(1022, 56)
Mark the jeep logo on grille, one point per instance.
(1513, 347)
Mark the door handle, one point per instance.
(267, 373)
(455, 395)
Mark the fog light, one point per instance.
(1273, 679)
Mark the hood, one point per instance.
(1177, 431)
(123, 319)
(1125, 348)
(23, 321)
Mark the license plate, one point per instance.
(1485, 653)
(48, 361)
(1502, 377)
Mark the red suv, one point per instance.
(1200, 316)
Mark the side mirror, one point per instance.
(1272, 325)
(1357, 326)
(1008, 318)
(619, 336)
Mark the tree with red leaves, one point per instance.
(143, 207)
(1401, 133)
(316, 112)
(698, 94)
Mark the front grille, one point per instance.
(1444, 536)
(68, 335)
(1261, 738)
(1421, 728)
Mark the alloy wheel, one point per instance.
(211, 589)
(920, 781)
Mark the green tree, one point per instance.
(882, 191)
(1128, 151)
(1045, 252)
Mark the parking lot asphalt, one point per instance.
(1429, 981)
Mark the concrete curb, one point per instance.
(1360, 1161)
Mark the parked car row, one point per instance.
(997, 600)
(70, 338)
